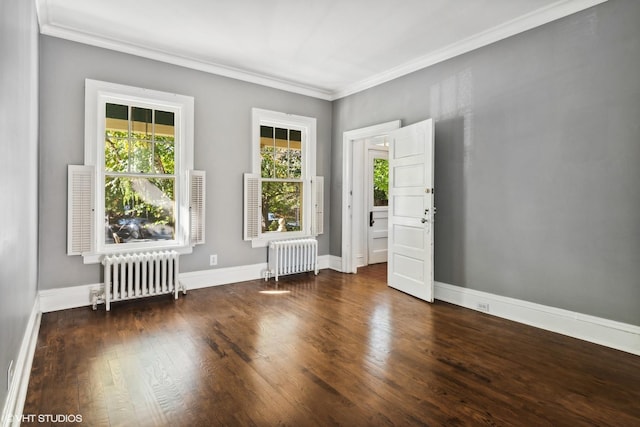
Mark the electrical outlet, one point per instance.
(213, 259)
(9, 375)
(483, 306)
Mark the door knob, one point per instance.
(423, 220)
(371, 221)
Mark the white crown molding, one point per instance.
(51, 29)
(526, 22)
(609, 333)
(523, 23)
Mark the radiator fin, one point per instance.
(129, 276)
(292, 256)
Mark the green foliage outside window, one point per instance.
(129, 196)
(282, 197)
(381, 182)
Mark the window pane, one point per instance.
(116, 152)
(164, 158)
(281, 206)
(137, 151)
(117, 119)
(295, 154)
(281, 162)
(295, 163)
(266, 152)
(140, 156)
(142, 124)
(164, 126)
(282, 136)
(281, 155)
(139, 209)
(380, 182)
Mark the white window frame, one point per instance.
(307, 126)
(97, 95)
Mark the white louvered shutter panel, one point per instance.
(197, 206)
(252, 215)
(317, 222)
(80, 215)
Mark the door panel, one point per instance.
(404, 175)
(409, 237)
(407, 205)
(410, 242)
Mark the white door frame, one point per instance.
(348, 257)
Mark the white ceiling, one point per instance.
(322, 48)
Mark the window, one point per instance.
(281, 194)
(380, 171)
(139, 153)
(139, 174)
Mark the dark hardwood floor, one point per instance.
(330, 350)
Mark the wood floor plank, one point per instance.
(331, 349)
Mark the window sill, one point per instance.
(264, 241)
(96, 258)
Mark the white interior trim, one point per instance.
(521, 24)
(335, 263)
(601, 331)
(609, 333)
(348, 257)
(222, 276)
(80, 296)
(67, 297)
(12, 411)
(53, 30)
(557, 10)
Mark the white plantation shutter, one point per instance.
(197, 206)
(252, 215)
(317, 221)
(80, 215)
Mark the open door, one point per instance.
(411, 212)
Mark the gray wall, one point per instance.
(18, 176)
(222, 148)
(537, 161)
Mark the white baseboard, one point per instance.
(12, 411)
(80, 296)
(335, 263)
(618, 335)
(65, 298)
(601, 331)
(222, 276)
(243, 273)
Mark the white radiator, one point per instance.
(292, 256)
(129, 276)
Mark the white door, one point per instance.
(378, 206)
(410, 265)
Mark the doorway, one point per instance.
(354, 212)
(377, 194)
(410, 211)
